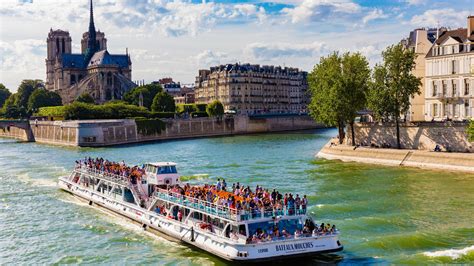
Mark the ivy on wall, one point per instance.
(149, 126)
(470, 131)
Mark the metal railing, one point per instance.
(122, 180)
(224, 211)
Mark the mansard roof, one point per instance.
(73, 61)
(104, 58)
(459, 35)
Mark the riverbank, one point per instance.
(451, 161)
(100, 133)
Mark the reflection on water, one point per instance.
(386, 214)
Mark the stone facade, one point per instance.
(450, 75)
(94, 71)
(451, 136)
(253, 89)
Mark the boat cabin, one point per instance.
(161, 173)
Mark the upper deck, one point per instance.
(224, 211)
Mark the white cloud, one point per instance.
(270, 51)
(316, 10)
(21, 57)
(415, 2)
(444, 17)
(209, 58)
(373, 15)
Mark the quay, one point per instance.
(100, 133)
(448, 161)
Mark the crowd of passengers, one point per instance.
(309, 229)
(239, 197)
(133, 173)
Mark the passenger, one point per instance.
(304, 203)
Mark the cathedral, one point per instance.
(95, 71)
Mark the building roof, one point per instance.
(73, 60)
(104, 58)
(459, 35)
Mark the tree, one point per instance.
(4, 94)
(215, 108)
(163, 102)
(42, 98)
(338, 86)
(147, 93)
(25, 90)
(393, 85)
(85, 98)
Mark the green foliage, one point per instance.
(393, 85)
(161, 115)
(470, 131)
(338, 85)
(85, 98)
(186, 108)
(41, 98)
(51, 111)
(200, 107)
(4, 94)
(11, 110)
(199, 114)
(78, 111)
(215, 108)
(163, 102)
(149, 126)
(148, 93)
(25, 90)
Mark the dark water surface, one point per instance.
(386, 214)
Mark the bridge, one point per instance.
(21, 124)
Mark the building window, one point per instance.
(466, 109)
(73, 79)
(435, 109)
(435, 89)
(109, 79)
(453, 66)
(455, 89)
(466, 87)
(445, 87)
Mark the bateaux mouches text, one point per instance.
(297, 246)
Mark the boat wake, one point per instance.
(40, 182)
(451, 253)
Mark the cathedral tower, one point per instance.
(58, 43)
(92, 39)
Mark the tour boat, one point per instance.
(224, 231)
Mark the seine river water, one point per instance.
(386, 214)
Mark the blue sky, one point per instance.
(175, 38)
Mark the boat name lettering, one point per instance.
(263, 250)
(297, 246)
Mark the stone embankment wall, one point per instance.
(393, 157)
(450, 136)
(96, 133)
(13, 132)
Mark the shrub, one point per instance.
(78, 111)
(161, 115)
(215, 108)
(51, 111)
(199, 114)
(148, 127)
(470, 131)
(186, 108)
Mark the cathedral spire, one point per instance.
(92, 42)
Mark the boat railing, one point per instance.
(224, 211)
(102, 174)
(293, 237)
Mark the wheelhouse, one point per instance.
(161, 173)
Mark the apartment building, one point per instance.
(254, 89)
(449, 75)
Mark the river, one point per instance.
(385, 214)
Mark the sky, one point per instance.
(176, 38)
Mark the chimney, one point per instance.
(470, 25)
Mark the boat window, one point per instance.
(169, 169)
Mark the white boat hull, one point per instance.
(219, 246)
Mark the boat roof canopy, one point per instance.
(158, 164)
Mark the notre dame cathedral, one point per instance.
(94, 71)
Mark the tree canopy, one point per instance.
(393, 85)
(85, 98)
(338, 86)
(148, 93)
(42, 98)
(163, 102)
(4, 94)
(215, 108)
(25, 90)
